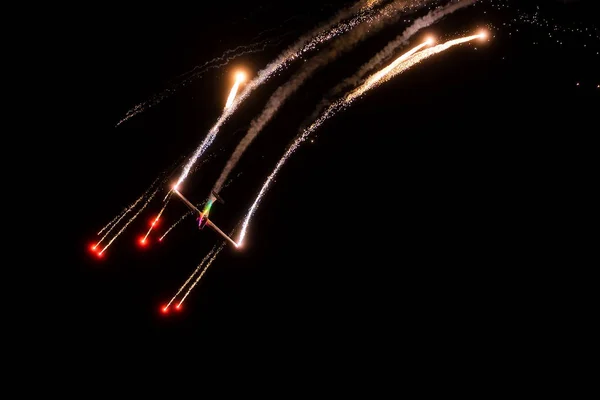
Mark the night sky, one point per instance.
(417, 215)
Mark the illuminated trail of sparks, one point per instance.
(201, 274)
(399, 65)
(198, 268)
(174, 225)
(302, 46)
(239, 78)
(154, 222)
(197, 72)
(117, 217)
(123, 214)
(396, 68)
(129, 222)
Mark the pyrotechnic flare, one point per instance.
(239, 78)
(387, 15)
(154, 222)
(328, 31)
(397, 66)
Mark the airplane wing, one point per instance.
(208, 221)
(187, 203)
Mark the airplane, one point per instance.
(203, 216)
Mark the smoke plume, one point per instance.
(386, 15)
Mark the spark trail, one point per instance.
(201, 274)
(331, 29)
(391, 48)
(396, 67)
(174, 225)
(385, 16)
(128, 222)
(196, 72)
(198, 268)
(155, 221)
(115, 221)
(239, 78)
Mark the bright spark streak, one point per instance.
(376, 77)
(191, 276)
(173, 226)
(238, 80)
(202, 273)
(116, 218)
(155, 221)
(129, 222)
(276, 66)
(402, 63)
(396, 68)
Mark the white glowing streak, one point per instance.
(232, 93)
(280, 63)
(397, 67)
(190, 278)
(328, 113)
(202, 273)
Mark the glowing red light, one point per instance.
(164, 309)
(92, 247)
(99, 254)
(143, 241)
(178, 307)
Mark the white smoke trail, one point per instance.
(334, 27)
(387, 15)
(420, 23)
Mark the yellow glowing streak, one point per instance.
(240, 76)
(377, 76)
(404, 62)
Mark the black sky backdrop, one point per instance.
(418, 213)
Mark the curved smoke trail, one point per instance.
(400, 65)
(388, 51)
(387, 15)
(331, 29)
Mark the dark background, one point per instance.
(428, 214)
